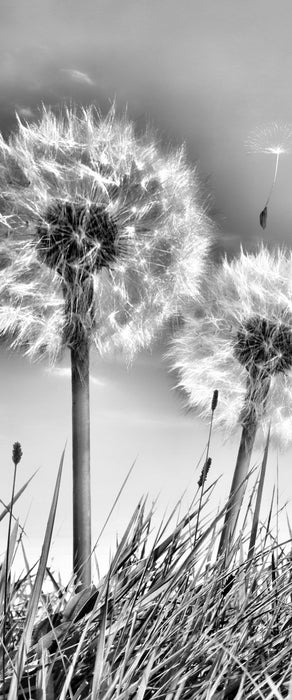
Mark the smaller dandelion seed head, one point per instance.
(238, 337)
(264, 346)
(16, 453)
(75, 236)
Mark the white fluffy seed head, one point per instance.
(204, 351)
(160, 232)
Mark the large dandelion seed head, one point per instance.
(239, 341)
(106, 223)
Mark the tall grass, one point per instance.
(168, 621)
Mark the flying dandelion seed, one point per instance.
(110, 237)
(240, 340)
(274, 139)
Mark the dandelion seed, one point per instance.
(274, 139)
(263, 217)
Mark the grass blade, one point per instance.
(143, 685)
(37, 589)
(16, 497)
(256, 515)
(99, 658)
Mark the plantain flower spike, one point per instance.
(239, 338)
(111, 233)
(16, 453)
(204, 472)
(214, 400)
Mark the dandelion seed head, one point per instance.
(239, 339)
(116, 230)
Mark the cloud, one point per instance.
(77, 75)
(65, 373)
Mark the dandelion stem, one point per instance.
(259, 494)
(81, 464)
(238, 485)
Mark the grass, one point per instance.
(170, 620)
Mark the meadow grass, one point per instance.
(170, 619)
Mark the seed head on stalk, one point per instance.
(108, 236)
(240, 340)
(109, 229)
(241, 330)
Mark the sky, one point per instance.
(206, 74)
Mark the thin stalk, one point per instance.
(16, 457)
(201, 497)
(238, 485)
(277, 511)
(81, 463)
(207, 463)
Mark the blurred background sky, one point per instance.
(200, 72)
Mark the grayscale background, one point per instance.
(202, 73)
